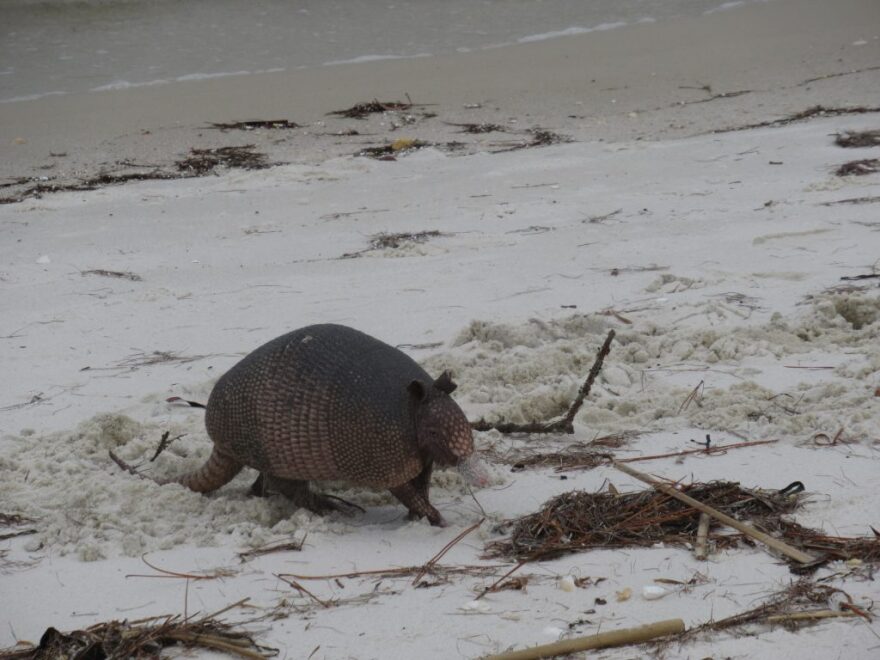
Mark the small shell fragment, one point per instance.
(566, 583)
(653, 592)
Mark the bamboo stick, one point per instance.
(602, 640)
(701, 550)
(745, 528)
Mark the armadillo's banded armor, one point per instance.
(323, 402)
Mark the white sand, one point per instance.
(719, 249)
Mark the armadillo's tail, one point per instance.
(218, 470)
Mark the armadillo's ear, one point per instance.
(419, 389)
(444, 383)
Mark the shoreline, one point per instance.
(641, 82)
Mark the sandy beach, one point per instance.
(705, 187)
(676, 78)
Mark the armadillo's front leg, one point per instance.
(414, 496)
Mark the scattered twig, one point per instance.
(282, 546)
(564, 424)
(164, 443)
(494, 586)
(405, 571)
(446, 548)
(695, 395)
(164, 573)
(125, 466)
(296, 585)
(126, 275)
(717, 449)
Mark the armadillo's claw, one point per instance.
(299, 493)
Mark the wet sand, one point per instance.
(654, 81)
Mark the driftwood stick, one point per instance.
(563, 424)
(745, 528)
(807, 616)
(602, 640)
(701, 550)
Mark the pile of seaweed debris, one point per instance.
(577, 521)
(143, 638)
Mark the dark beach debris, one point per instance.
(854, 200)
(715, 97)
(476, 129)
(144, 638)
(540, 138)
(200, 162)
(42, 187)
(383, 241)
(125, 275)
(816, 111)
(576, 521)
(855, 139)
(156, 357)
(394, 149)
(859, 167)
(363, 110)
(13, 520)
(269, 124)
(802, 603)
(206, 161)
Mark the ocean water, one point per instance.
(70, 46)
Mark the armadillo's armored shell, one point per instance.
(324, 402)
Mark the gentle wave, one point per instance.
(361, 59)
(571, 31)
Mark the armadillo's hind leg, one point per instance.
(414, 496)
(298, 492)
(218, 470)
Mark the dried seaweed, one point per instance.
(15, 520)
(383, 241)
(540, 138)
(270, 124)
(90, 183)
(855, 139)
(362, 110)
(577, 521)
(205, 161)
(859, 167)
(125, 275)
(392, 150)
(801, 596)
(816, 111)
(143, 638)
(475, 129)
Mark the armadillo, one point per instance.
(327, 402)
